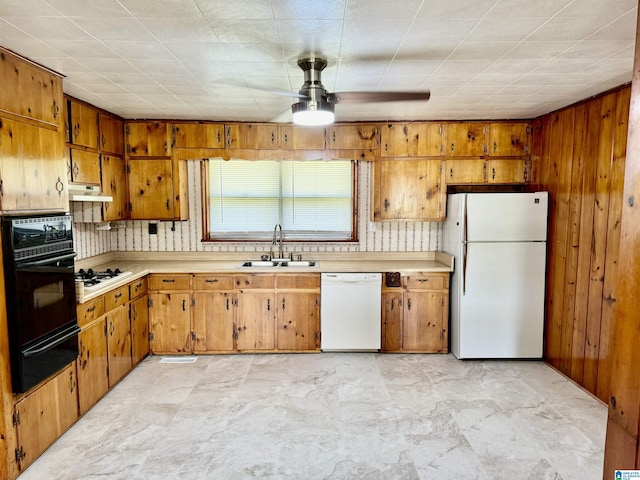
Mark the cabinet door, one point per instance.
(33, 168)
(93, 376)
(353, 137)
(84, 167)
(255, 321)
(170, 323)
(30, 91)
(149, 139)
(213, 322)
(411, 140)
(252, 136)
(119, 344)
(111, 134)
(425, 322)
(410, 190)
(46, 413)
(114, 183)
(508, 171)
(392, 321)
(301, 138)
(150, 189)
(465, 171)
(200, 135)
(509, 139)
(84, 124)
(298, 321)
(139, 315)
(466, 139)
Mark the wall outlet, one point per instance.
(153, 229)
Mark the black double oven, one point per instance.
(38, 259)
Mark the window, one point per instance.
(312, 200)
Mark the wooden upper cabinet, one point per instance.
(511, 170)
(509, 139)
(353, 137)
(84, 167)
(411, 140)
(200, 135)
(465, 171)
(33, 171)
(252, 136)
(30, 91)
(111, 134)
(83, 122)
(150, 189)
(114, 183)
(301, 138)
(408, 190)
(149, 139)
(466, 140)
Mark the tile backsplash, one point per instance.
(134, 236)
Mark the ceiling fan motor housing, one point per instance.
(313, 89)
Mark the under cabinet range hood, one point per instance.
(87, 193)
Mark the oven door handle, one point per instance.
(47, 261)
(40, 348)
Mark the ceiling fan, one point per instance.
(316, 105)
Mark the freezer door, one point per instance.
(501, 311)
(512, 217)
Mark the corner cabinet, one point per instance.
(415, 315)
(408, 189)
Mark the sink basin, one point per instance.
(279, 263)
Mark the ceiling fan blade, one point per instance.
(366, 97)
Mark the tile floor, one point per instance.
(335, 416)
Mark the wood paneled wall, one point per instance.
(579, 157)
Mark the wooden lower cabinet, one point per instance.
(298, 321)
(139, 315)
(93, 371)
(213, 322)
(45, 414)
(119, 343)
(255, 321)
(170, 322)
(415, 315)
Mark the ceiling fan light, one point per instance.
(313, 113)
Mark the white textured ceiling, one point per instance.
(217, 60)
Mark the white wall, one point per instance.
(373, 237)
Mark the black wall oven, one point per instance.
(40, 295)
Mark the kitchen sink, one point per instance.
(279, 263)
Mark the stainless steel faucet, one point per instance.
(273, 243)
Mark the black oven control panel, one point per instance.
(39, 235)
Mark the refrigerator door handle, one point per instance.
(464, 245)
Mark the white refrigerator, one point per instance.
(499, 241)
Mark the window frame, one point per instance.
(206, 234)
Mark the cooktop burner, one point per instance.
(101, 278)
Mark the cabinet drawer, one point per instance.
(427, 282)
(255, 281)
(116, 297)
(213, 282)
(90, 311)
(298, 281)
(169, 282)
(137, 288)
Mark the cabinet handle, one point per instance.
(56, 110)
(422, 280)
(273, 137)
(118, 295)
(484, 172)
(493, 173)
(91, 309)
(104, 141)
(168, 280)
(59, 187)
(495, 146)
(218, 136)
(227, 304)
(268, 304)
(453, 146)
(286, 138)
(451, 173)
(134, 311)
(393, 301)
(167, 204)
(215, 280)
(283, 303)
(76, 131)
(408, 304)
(75, 170)
(184, 305)
(72, 382)
(112, 328)
(166, 146)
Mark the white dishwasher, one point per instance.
(350, 311)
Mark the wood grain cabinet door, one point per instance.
(425, 322)
(298, 321)
(149, 139)
(93, 377)
(84, 125)
(418, 139)
(213, 321)
(114, 183)
(119, 343)
(466, 140)
(111, 134)
(139, 315)
(504, 171)
(200, 135)
(353, 137)
(170, 322)
(460, 172)
(150, 189)
(252, 136)
(84, 167)
(301, 138)
(255, 321)
(509, 139)
(392, 321)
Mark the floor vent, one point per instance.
(178, 359)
